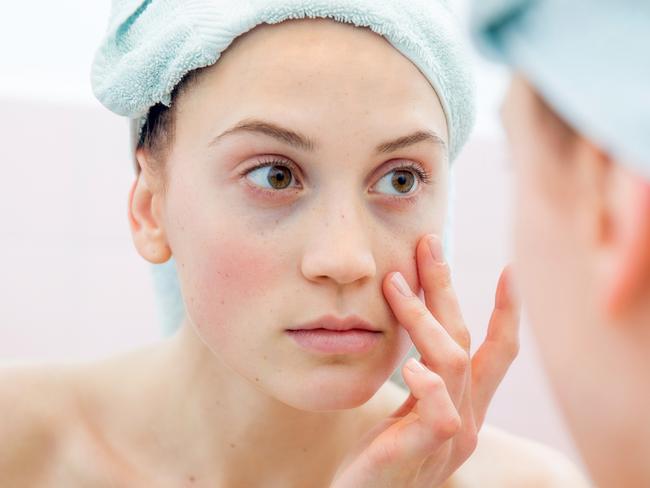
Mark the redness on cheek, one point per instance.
(227, 282)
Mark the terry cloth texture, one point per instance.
(150, 45)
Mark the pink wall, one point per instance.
(72, 286)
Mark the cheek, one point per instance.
(545, 252)
(221, 281)
(534, 240)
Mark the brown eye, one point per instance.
(271, 176)
(403, 181)
(279, 177)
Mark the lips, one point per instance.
(331, 335)
(330, 322)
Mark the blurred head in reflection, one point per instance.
(578, 121)
(286, 187)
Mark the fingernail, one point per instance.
(400, 283)
(414, 366)
(435, 246)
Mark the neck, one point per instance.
(239, 434)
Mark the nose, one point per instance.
(338, 248)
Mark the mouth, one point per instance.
(331, 335)
(333, 323)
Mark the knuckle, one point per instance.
(464, 339)
(418, 311)
(512, 347)
(449, 425)
(435, 385)
(458, 361)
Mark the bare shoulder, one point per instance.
(505, 460)
(53, 422)
(34, 410)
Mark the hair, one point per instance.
(158, 132)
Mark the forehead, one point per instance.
(316, 74)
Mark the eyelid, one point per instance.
(416, 167)
(272, 160)
(422, 175)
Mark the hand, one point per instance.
(434, 432)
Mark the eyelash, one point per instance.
(423, 175)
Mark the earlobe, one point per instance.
(146, 223)
(629, 253)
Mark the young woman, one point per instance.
(300, 183)
(578, 119)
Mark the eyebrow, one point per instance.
(411, 139)
(282, 134)
(301, 141)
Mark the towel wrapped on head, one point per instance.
(151, 44)
(589, 59)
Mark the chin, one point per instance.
(333, 388)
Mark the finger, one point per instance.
(439, 294)
(439, 351)
(435, 418)
(498, 351)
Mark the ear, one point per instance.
(626, 267)
(145, 216)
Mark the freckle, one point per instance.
(257, 379)
(304, 449)
(192, 479)
(266, 358)
(232, 445)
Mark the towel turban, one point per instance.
(589, 59)
(150, 45)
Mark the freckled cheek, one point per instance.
(396, 248)
(225, 284)
(400, 256)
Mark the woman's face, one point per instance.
(307, 163)
(558, 264)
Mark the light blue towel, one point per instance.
(150, 45)
(590, 59)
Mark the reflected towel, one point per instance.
(589, 59)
